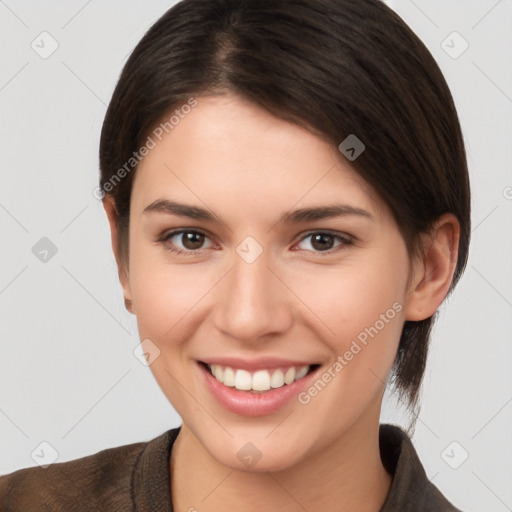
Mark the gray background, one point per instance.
(68, 375)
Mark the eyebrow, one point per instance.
(294, 217)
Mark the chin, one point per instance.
(250, 459)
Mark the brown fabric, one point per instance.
(135, 478)
(411, 490)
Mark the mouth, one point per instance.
(258, 381)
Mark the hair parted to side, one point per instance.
(335, 67)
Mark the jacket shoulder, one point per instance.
(101, 481)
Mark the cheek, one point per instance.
(360, 305)
(352, 297)
(363, 314)
(165, 296)
(167, 304)
(163, 291)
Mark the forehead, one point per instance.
(226, 148)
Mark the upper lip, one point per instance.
(260, 363)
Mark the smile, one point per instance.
(256, 387)
(260, 380)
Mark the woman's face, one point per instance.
(261, 287)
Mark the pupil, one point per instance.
(193, 240)
(323, 239)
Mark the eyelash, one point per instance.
(345, 241)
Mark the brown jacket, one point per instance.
(136, 478)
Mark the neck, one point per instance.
(348, 475)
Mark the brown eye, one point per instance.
(322, 241)
(325, 242)
(192, 240)
(183, 241)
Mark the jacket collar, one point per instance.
(410, 491)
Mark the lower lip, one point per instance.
(254, 404)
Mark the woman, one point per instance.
(288, 197)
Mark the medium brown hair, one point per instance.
(335, 67)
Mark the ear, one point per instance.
(432, 275)
(110, 209)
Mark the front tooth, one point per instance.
(243, 380)
(289, 376)
(229, 377)
(301, 372)
(277, 379)
(261, 380)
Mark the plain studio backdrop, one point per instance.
(70, 383)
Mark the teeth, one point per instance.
(301, 372)
(289, 376)
(261, 380)
(229, 377)
(277, 379)
(217, 371)
(242, 380)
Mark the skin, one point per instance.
(294, 301)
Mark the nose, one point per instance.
(253, 302)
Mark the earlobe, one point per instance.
(110, 209)
(432, 276)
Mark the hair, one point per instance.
(334, 67)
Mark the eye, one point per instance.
(323, 242)
(191, 241)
